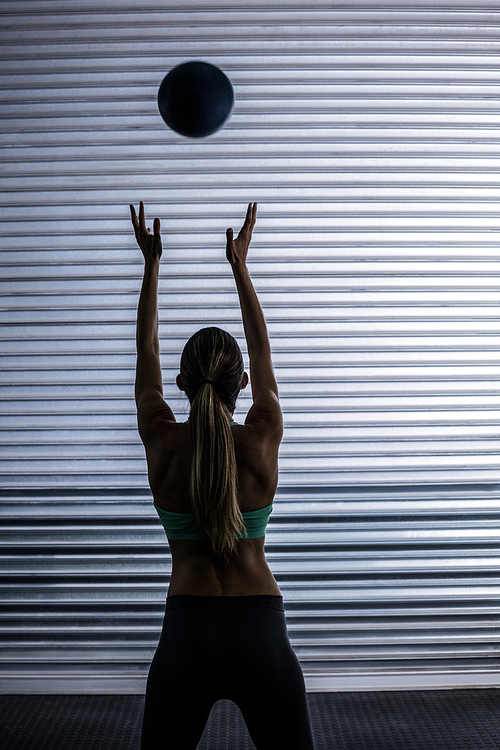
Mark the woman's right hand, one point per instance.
(150, 244)
(236, 250)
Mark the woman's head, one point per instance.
(213, 354)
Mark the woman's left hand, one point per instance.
(150, 244)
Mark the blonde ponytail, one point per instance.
(213, 355)
(213, 474)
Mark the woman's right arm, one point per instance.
(265, 394)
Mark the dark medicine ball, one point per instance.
(195, 99)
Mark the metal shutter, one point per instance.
(368, 133)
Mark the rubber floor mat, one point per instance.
(402, 720)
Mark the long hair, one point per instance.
(213, 354)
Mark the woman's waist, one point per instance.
(183, 601)
(242, 579)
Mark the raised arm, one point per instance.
(151, 407)
(264, 387)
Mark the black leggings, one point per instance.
(233, 647)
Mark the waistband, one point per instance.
(271, 601)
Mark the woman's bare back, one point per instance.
(193, 570)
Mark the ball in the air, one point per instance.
(196, 99)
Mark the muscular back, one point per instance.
(169, 462)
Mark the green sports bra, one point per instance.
(182, 525)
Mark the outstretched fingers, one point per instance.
(254, 215)
(251, 214)
(142, 218)
(251, 218)
(140, 223)
(135, 220)
(157, 238)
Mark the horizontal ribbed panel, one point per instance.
(368, 133)
(381, 588)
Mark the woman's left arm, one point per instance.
(151, 407)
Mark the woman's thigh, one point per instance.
(173, 719)
(272, 695)
(179, 691)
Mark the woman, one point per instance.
(213, 482)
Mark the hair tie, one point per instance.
(207, 381)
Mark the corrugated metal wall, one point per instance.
(368, 133)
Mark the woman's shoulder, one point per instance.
(256, 430)
(265, 419)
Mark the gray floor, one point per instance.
(408, 720)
